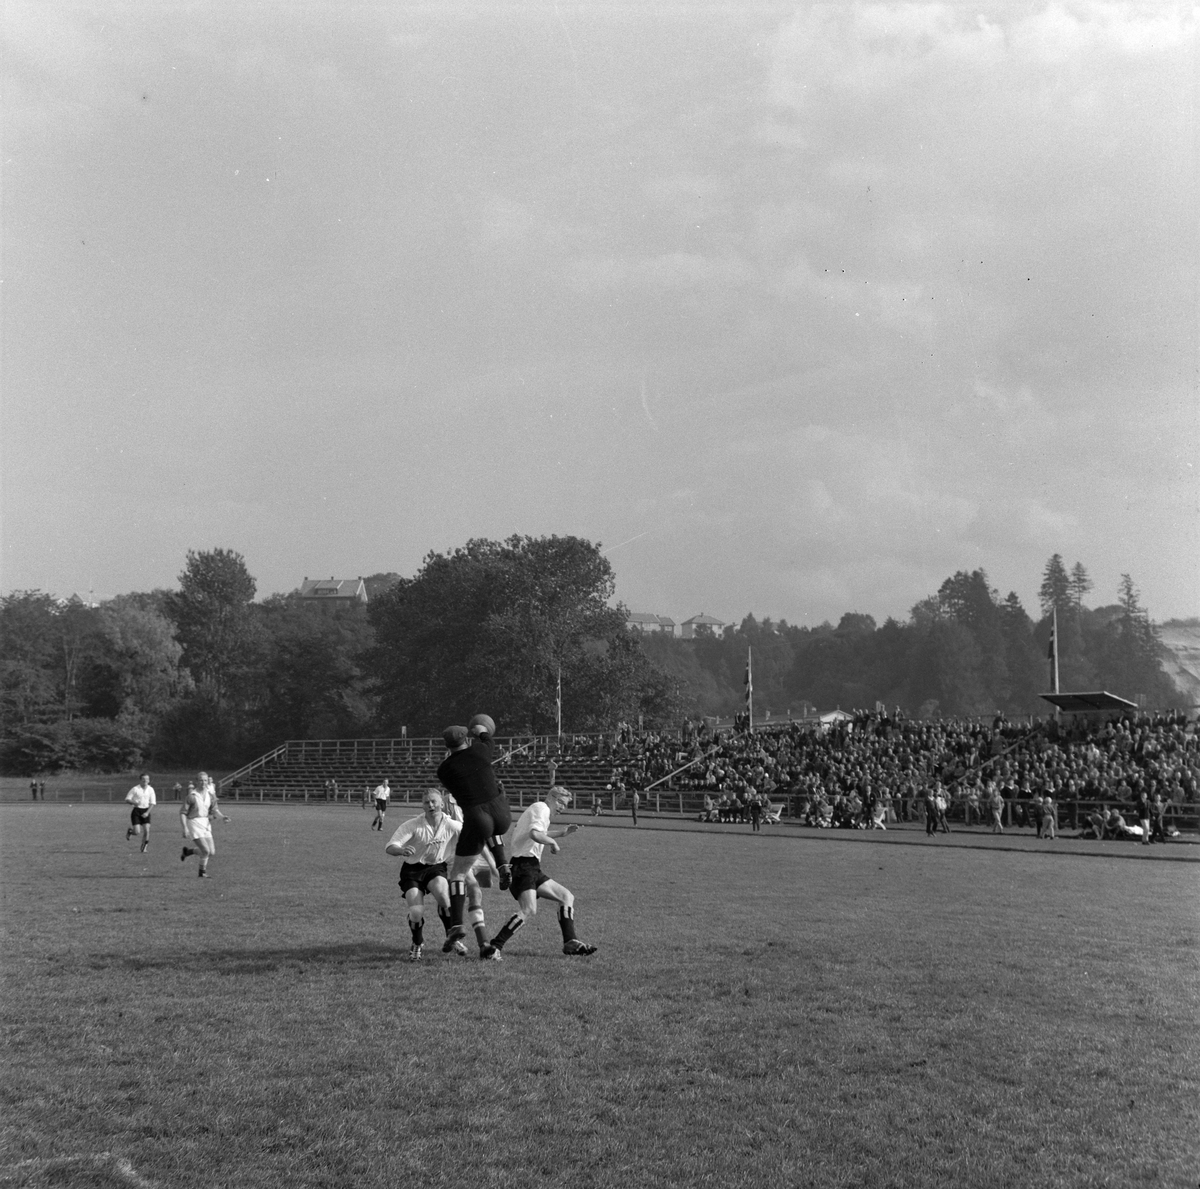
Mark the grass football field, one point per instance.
(786, 1009)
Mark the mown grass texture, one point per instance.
(764, 1010)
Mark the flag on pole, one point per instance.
(1053, 641)
(558, 702)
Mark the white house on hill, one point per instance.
(335, 592)
(701, 625)
(647, 621)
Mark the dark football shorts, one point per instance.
(381, 804)
(420, 875)
(527, 876)
(139, 817)
(481, 822)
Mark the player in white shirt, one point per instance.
(529, 883)
(381, 794)
(422, 842)
(196, 812)
(142, 798)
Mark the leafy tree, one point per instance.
(1024, 660)
(1128, 652)
(47, 646)
(139, 671)
(212, 616)
(29, 680)
(491, 626)
(312, 682)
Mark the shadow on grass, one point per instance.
(357, 954)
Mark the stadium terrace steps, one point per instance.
(307, 777)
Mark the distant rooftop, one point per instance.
(348, 589)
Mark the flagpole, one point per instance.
(750, 689)
(558, 704)
(1054, 657)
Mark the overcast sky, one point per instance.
(796, 309)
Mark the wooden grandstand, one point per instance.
(302, 769)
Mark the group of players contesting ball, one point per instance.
(470, 810)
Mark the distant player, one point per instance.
(196, 813)
(423, 842)
(529, 883)
(142, 798)
(382, 795)
(467, 774)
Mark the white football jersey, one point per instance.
(430, 842)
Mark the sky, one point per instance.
(796, 309)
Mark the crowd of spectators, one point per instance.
(878, 767)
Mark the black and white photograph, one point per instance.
(599, 593)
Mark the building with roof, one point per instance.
(334, 593)
(701, 625)
(647, 621)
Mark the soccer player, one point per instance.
(142, 798)
(529, 882)
(425, 840)
(196, 812)
(468, 776)
(382, 794)
(483, 874)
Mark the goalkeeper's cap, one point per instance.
(455, 736)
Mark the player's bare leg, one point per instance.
(527, 907)
(416, 922)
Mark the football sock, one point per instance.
(475, 916)
(417, 928)
(496, 846)
(446, 919)
(458, 901)
(513, 923)
(566, 922)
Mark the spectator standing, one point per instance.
(1049, 817)
(995, 803)
(942, 803)
(1142, 806)
(1158, 819)
(931, 812)
(635, 799)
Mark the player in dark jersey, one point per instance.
(468, 775)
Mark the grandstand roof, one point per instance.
(1083, 703)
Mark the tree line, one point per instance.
(526, 629)
(962, 651)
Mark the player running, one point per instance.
(382, 795)
(467, 774)
(529, 883)
(142, 798)
(196, 812)
(425, 840)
